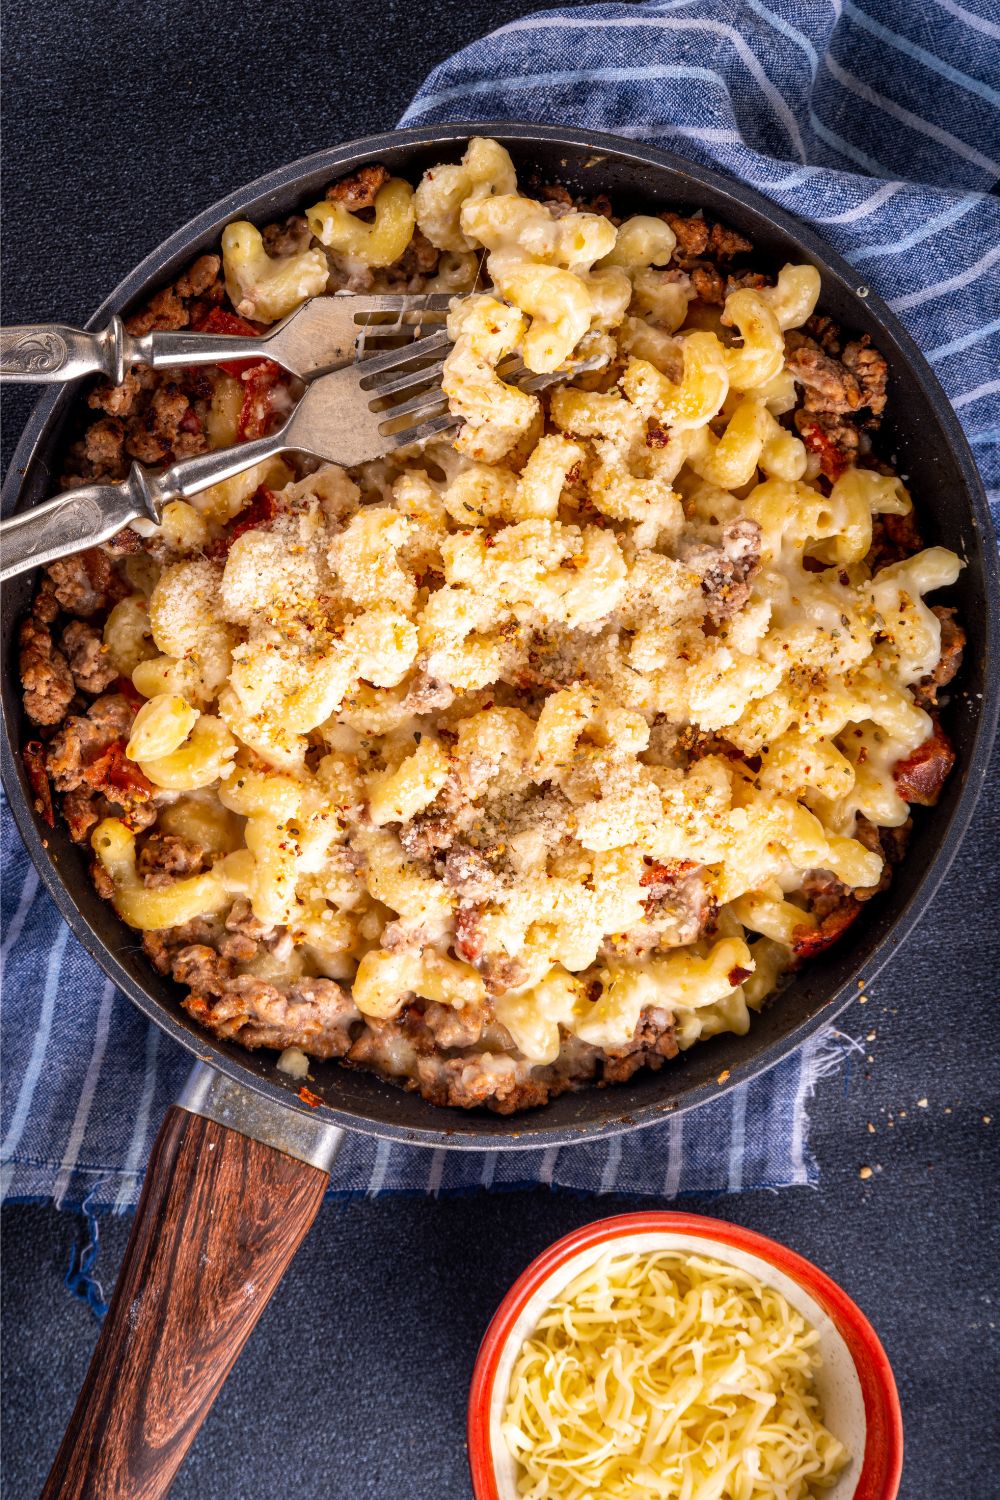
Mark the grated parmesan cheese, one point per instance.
(294, 1062)
(666, 1376)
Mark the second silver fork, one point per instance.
(336, 421)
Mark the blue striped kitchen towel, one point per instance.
(880, 125)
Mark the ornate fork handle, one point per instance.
(47, 353)
(83, 517)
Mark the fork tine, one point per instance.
(432, 397)
(436, 302)
(424, 431)
(391, 359)
(408, 379)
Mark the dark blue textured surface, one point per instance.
(354, 1383)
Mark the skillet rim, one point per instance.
(480, 1130)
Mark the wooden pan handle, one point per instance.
(220, 1217)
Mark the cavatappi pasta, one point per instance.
(535, 756)
(668, 1376)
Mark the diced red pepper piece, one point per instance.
(832, 461)
(118, 777)
(470, 940)
(218, 321)
(259, 383)
(38, 780)
(308, 1097)
(261, 510)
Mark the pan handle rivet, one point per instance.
(862, 292)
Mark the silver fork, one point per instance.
(316, 337)
(348, 417)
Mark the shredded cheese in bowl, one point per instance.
(668, 1376)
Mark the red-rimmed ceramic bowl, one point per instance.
(855, 1382)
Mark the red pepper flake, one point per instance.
(308, 1097)
(656, 873)
(737, 975)
(38, 780)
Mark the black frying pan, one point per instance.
(929, 448)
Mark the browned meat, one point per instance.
(824, 893)
(825, 332)
(103, 446)
(724, 244)
(201, 969)
(678, 909)
(170, 856)
(692, 234)
(360, 189)
(45, 605)
(709, 285)
(80, 809)
(87, 757)
(828, 385)
(88, 660)
(289, 237)
(921, 776)
(45, 674)
(169, 308)
(469, 874)
(85, 582)
(742, 280)
(501, 1083)
(952, 648)
(244, 932)
(451, 1027)
(835, 907)
(199, 277)
(157, 433)
(116, 400)
(871, 371)
(164, 312)
(728, 570)
(893, 538)
(891, 843)
(315, 1014)
(418, 261)
(652, 1043)
(835, 439)
(77, 743)
(162, 947)
(427, 834)
(501, 973)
